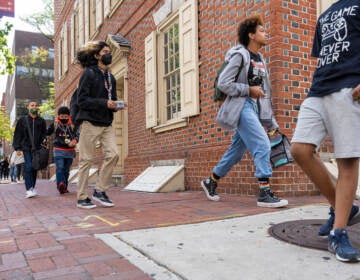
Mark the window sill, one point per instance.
(170, 125)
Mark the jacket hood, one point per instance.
(238, 49)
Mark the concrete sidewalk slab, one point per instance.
(231, 249)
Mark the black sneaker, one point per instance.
(340, 245)
(325, 229)
(85, 204)
(267, 198)
(102, 198)
(209, 186)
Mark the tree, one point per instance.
(6, 131)
(43, 21)
(38, 70)
(7, 60)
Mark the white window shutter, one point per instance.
(106, 8)
(150, 80)
(72, 36)
(66, 49)
(86, 20)
(60, 58)
(99, 13)
(189, 59)
(81, 23)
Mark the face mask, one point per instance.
(33, 112)
(64, 121)
(106, 59)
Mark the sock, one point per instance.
(215, 177)
(264, 183)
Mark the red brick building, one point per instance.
(165, 57)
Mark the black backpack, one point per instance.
(218, 94)
(74, 108)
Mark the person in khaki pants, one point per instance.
(97, 102)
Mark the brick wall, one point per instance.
(202, 142)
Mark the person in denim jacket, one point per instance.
(247, 110)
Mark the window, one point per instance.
(63, 51)
(171, 70)
(51, 53)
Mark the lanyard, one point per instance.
(107, 83)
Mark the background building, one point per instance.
(165, 57)
(31, 79)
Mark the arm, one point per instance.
(50, 129)
(18, 135)
(86, 99)
(227, 83)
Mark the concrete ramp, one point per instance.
(164, 178)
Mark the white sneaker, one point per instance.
(34, 191)
(29, 194)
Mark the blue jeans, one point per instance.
(62, 169)
(29, 173)
(249, 135)
(13, 173)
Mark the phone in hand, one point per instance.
(120, 104)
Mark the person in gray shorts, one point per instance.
(332, 108)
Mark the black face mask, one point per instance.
(106, 59)
(64, 121)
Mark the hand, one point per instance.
(111, 104)
(256, 92)
(72, 143)
(356, 94)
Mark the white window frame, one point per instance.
(189, 70)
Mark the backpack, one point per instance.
(218, 94)
(74, 108)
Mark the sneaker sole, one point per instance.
(30, 195)
(281, 203)
(85, 207)
(106, 204)
(212, 198)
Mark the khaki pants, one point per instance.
(89, 136)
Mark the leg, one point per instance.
(111, 157)
(28, 171)
(345, 190)
(89, 135)
(314, 168)
(232, 156)
(67, 164)
(256, 141)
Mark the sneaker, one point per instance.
(325, 229)
(34, 192)
(209, 186)
(340, 245)
(62, 188)
(30, 193)
(267, 198)
(102, 198)
(85, 204)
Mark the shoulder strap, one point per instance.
(30, 134)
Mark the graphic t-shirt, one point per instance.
(337, 47)
(256, 70)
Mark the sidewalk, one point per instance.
(48, 237)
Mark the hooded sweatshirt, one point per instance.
(238, 91)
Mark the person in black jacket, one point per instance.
(22, 143)
(97, 102)
(65, 140)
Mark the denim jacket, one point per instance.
(238, 91)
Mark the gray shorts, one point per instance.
(336, 115)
